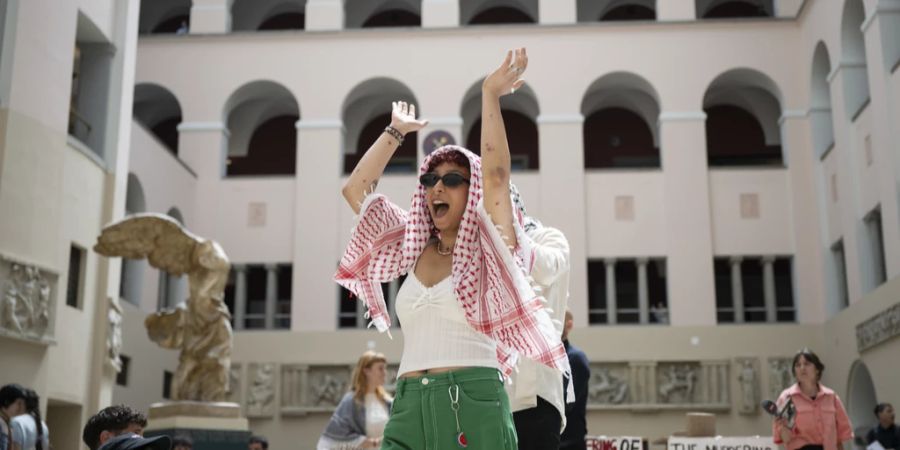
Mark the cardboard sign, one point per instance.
(723, 443)
(613, 443)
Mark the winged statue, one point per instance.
(200, 326)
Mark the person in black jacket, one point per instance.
(576, 420)
(885, 432)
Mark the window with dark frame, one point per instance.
(75, 276)
(753, 290)
(628, 308)
(122, 376)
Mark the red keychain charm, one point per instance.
(461, 440)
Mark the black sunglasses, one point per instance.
(451, 179)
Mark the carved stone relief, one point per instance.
(640, 385)
(879, 328)
(327, 385)
(748, 379)
(780, 376)
(26, 300)
(261, 389)
(608, 384)
(677, 382)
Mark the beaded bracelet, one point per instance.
(395, 133)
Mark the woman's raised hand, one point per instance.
(507, 78)
(403, 118)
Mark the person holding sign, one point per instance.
(821, 422)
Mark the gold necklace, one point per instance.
(447, 252)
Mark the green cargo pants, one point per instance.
(465, 408)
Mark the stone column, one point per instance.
(440, 13)
(271, 294)
(737, 288)
(769, 289)
(610, 290)
(240, 295)
(324, 15)
(675, 10)
(643, 291)
(210, 16)
(553, 12)
(811, 243)
(315, 306)
(686, 192)
(563, 177)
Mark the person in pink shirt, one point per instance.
(821, 422)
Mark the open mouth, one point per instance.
(440, 208)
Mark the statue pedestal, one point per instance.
(211, 425)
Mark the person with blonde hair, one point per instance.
(360, 417)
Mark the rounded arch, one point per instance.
(261, 118)
(861, 395)
(366, 111)
(492, 12)
(135, 202)
(743, 107)
(520, 112)
(615, 10)
(853, 58)
(252, 15)
(158, 110)
(621, 113)
(391, 13)
(728, 9)
(165, 16)
(175, 213)
(820, 101)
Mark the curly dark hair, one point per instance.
(114, 419)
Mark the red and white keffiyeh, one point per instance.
(490, 282)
